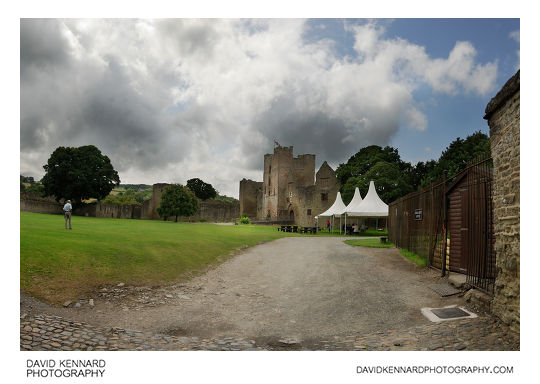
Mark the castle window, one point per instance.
(309, 212)
(269, 169)
(324, 196)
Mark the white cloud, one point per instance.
(515, 35)
(168, 100)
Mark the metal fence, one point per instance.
(415, 222)
(419, 222)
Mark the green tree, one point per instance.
(177, 200)
(79, 174)
(390, 182)
(201, 189)
(36, 189)
(366, 158)
(455, 157)
(387, 160)
(421, 171)
(120, 200)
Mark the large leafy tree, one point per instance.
(177, 200)
(201, 189)
(79, 174)
(455, 157)
(420, 172)
(366, 158)
(380, 165)
(390, 182)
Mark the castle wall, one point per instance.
(503, 115)
(308, 202)
(304, 170)
(209, 210)
(150, 208)
(38, 204)
(249, 190)
(290, 189)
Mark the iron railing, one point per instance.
(418, 222)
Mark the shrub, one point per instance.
(245, 220)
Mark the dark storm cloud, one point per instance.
(317, 132)
(168, 100)
(42, 45)
(89, 103)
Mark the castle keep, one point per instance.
(290, 190)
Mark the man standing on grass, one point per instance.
(67, 213)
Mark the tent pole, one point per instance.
(345, 223)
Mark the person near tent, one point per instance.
(363, 228)
(355, 228)
(328, 225)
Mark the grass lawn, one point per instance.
(58, 264)
(370, 243)
(420, 261)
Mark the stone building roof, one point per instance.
(506, 92)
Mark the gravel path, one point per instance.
(297, 292)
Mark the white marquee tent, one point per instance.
(356, 200)
(371, 207)
(336, 209)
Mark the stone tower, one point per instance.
(289, 191)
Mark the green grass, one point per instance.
(376, 243)
(370, 243)
(367, 233)
(58, 264)
(420, 261)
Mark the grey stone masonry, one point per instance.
(503, 115)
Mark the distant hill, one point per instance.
(137, 187)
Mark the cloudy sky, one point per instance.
(168, 100)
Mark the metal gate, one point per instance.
(419, 221)
(481, 268)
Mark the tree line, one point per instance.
(83, 173)
(395, 178)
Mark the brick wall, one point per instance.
(502, 114)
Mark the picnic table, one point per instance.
(297, 229)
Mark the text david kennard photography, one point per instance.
(65, 368)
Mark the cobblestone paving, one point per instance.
(45, 332)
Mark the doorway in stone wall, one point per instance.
(291, 216)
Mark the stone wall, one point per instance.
(249, 190)
(38, 204)
(109, 211)
(290, 192)
(209, 210)
(503, 115)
